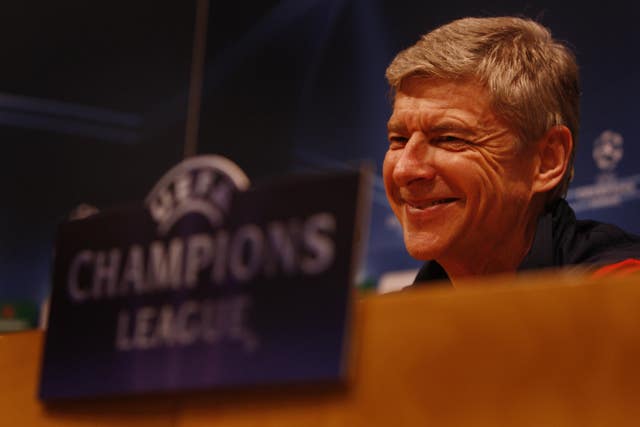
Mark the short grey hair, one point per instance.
(532, 78)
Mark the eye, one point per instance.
(452, 142)
(449, 138)
(397, 141)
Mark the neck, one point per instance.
(503, 255)
(505, 263)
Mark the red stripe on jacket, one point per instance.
(622, 268)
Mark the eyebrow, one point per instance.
(396, 126)
(438, 128)
(451, 127)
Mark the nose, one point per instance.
(414, 162)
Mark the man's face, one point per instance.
(454, 174)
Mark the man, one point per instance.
(481, 146)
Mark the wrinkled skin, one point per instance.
(457, 180)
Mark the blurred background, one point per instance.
(94, 107)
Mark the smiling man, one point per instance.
(481, 147)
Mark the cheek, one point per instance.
(388, 166)
(496, 183)
(390, 187)
(468, 172)
(487, 170)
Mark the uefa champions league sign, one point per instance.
(211, 283)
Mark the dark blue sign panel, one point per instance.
(205, 287)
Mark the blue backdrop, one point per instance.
(93, 105)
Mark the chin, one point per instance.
(422, 252)
(426, 246)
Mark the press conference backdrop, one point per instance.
(94, 105)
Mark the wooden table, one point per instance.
(546, 350)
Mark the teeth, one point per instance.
(434, 203)
(441, 201)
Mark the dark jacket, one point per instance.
(561, 241)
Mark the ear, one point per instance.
(553, 152)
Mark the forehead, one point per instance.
(420, 101)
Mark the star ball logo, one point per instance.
(203, 184)
(608, 150)
(608, 190)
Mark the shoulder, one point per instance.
(603, 244)
(588, 242)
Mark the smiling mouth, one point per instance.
(425, 205)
